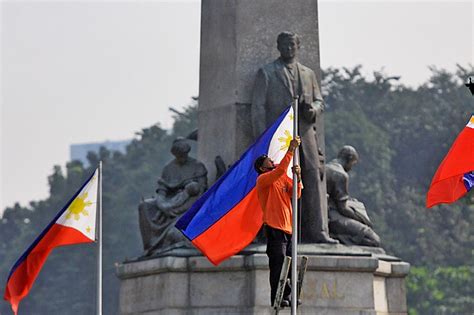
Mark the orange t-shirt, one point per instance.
(274, 190)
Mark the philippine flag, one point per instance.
(228, 216)
(74, 224)
(455, 176)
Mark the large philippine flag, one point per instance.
(228, 216)
(455, 176)
(74, 224)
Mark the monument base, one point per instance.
(340, 280)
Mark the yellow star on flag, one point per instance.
(285, 140)
(78, 206)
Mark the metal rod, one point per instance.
(99, 244)
(294, 204)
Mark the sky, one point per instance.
(90, 71)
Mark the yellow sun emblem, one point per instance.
(285, 140)
(78, 206)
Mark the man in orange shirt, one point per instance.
(274, 190)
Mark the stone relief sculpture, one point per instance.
(348, 219)
(275, 86)
(182, 181)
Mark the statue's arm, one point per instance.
(346, 211)
(202, 178)
(258, 103)
(318, 102)
(342, 196)
(311, 108)
(162, 187)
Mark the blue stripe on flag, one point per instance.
(468, 180)
(229, 190)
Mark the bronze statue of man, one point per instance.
(276, 85)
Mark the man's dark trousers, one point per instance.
(278, 246)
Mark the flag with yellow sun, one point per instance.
(228, 216)
(74, 224)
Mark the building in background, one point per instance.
(79, 151)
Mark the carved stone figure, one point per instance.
(182, 181)
(275, 86)
(348, 219)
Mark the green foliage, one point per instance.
(402, 135)
(442, 290)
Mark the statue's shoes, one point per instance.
(326, 240)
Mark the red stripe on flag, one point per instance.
(25, 274)
(233, 231)
(446, 191)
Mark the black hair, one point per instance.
(259, 162)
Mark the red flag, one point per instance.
(454, 176)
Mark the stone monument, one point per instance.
(237, 38)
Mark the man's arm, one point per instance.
(270, 177)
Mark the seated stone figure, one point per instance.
(348, 219)
(182, 181)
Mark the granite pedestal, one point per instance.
(339, 281)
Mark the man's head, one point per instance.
(288, 44)
(180, 150)
(348, 157)
(263, 164)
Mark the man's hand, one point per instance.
(294, 144)
(297, 170)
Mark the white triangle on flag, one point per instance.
(82, 212)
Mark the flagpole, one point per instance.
(99, 244)
(294, 204)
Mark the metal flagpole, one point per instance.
(294, 204)
(99, 243)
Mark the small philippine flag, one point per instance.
(74, 224)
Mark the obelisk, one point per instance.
(237, 38)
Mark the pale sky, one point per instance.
(91, 71)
